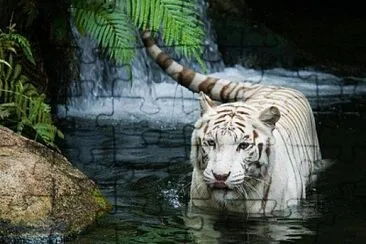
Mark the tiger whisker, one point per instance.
(253, 189)
(242, 190)
(256, 179)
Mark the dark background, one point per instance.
(333, 30)
(327, 34)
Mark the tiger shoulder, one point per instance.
(254, 151)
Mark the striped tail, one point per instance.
(217, 89)
(297, 120)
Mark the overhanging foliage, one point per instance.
(114, 26)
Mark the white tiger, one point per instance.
(254, 153)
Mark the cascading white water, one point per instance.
(135, 92)
(322, 89)
(142, 91)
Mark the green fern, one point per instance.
(6, 110)
(29, 110)
(23, 44)
(109, 27)
(112, 27)
(22, 107)
(179, 20)
(12, 41)
(4, 62)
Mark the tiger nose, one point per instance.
(221, 177)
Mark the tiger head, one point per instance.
(232, 149)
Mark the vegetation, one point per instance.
(22, 107)
(113, 24)
(103, 203)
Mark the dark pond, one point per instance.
(143, 170)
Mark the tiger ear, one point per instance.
(206, 103)
(270, 116)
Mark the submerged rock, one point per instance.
(41, 193)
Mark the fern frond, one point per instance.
(22, 107)
(112, 27)
(109, 27)
(30, 110)
(6, 110)
(12, 41)
(179, 20)
(47, 133)
(23, 44)
(9, 76)
(21, 101)
(4, 62)
(7, 45)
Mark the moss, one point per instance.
(102, 202)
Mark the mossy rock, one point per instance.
(41, 193)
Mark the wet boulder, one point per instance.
(41, 193)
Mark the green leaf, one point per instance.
(21, 105)
(24, 44)
(179, 21)
(6, 110)
(110, 28)
(47, 133)
(4, 62)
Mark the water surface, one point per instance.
(143, 170)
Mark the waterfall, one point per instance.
(142, 91)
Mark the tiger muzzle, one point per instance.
(220, 180)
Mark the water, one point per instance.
(138, 90)
(143, 170)
(133, 140)
(167, 102)
(128, 128)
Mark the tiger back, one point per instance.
(254, 152)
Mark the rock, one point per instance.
(41, 193)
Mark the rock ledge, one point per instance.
(41, 193)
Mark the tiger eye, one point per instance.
(243, 146)
(211, 143)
